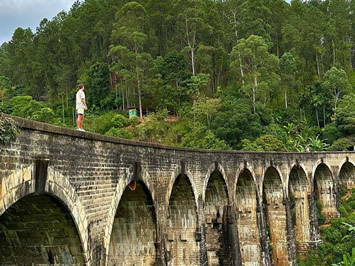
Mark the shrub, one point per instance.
(134, 121)
(341, 144)
(8, 130)
(119, 121)
(119, 133)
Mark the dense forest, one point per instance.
(234, 74)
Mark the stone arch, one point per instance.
(324, 190)
(299, 190)
(179, 170)
(215, 202)
(58, 193)
(276, 218)
(127, 176)
(182, 244)
(215, 167)
(347, 175)
(246, 208)
(133, 235)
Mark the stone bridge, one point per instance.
(77, 198)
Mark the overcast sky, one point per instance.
(27, 14)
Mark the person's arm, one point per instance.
(84, 103)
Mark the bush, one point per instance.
(341, 145)
(99, 124)
(8, 130)
(134, 121)
(119, 133)
(338, 238)
(119, 121)
(330, 133)
(264, 143)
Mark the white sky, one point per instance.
(27, 14)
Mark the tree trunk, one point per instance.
(318, 69)
(241, 69)
(140, 99)
(317, 117)
(254, 91)
(193, 61)
(285, 98)
(334, 54)
(323, 116)
(63, 110)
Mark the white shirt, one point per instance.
(79, 96)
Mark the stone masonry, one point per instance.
(64, 199)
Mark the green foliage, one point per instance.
(119, 133)
(341, 144)
(264, 143)
(101, 123)
(26, 107)
(331, 133)
(338, 238)
(96, 81)
(8, 130)
(320, 216)
(133, 121)
(200, 137)
(119, 121)
(345, 114)
(237, 69)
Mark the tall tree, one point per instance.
(128, 54)
(259, 66)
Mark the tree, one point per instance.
(191, 21)
(336, 81)
(345, 114)
(264, 143)
(128, 55)
(259, 68)
(288, 70)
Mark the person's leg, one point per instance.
(77, 120)
(80, 121)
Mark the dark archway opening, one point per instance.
(39, 230)
(299, 207)
(182, 224)
(347, 176)
(275, 213)
(134, 229)
(216, 198)
(324, 194)
(248, 231)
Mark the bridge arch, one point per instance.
(179, 170)
(214, 167)
(215, 198)
(61, 198)
(324, 189)
(347, 174)
(182, 220)
(276, 217)
(246, 206)
(124, 223)
(298, 191)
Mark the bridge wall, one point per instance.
(196, 222)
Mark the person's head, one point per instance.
(81, 87)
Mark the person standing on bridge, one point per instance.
(80, 107)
